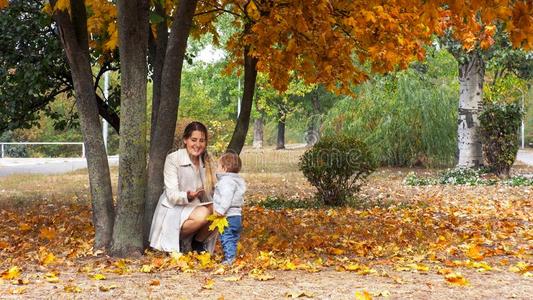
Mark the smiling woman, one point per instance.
(179, 222)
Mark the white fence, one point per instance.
(40, 143)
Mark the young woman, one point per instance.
(179, 222)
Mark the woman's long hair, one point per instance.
(206, 158)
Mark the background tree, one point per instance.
(34, 70)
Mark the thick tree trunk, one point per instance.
(471, 74)
(165, 122)
(243, 121)
(74, 37)
(281, 130)
(133, 37)
(258, 133)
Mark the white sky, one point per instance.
(210, 54)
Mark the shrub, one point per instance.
(337, 166)
(499, 124)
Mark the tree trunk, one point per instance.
(313, 130)
(133, 37)
(74, 38)
(471, 73)
(165, 122)
(281, 130)
(157, 54)
(241, 128)
(258, 133)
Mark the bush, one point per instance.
(499, 124)
(337, 166)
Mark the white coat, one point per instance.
(173, 208)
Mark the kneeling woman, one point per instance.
(179, 222)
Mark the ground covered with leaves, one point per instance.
(398, 242)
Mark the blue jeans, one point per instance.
(230, 237)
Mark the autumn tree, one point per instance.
(468, 30)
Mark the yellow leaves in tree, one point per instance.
(62, 5)
(112, 43)
(218, 222)
(456, 279)
(4, 3)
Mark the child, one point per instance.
(228, 200)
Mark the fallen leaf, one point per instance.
(474, 252)
(47, 233)
(98, 277)
(456, 279)
(208, 283)
(18, 291)
(107, 288)
(72, 289)
(232, 278)
(12, 273)
(364, 295)
(51, 277)
(299, 294)
(146, 268)
(154, 282)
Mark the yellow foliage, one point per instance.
(218, 222)
(62, 5)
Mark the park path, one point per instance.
(9, 166)
(525, 156)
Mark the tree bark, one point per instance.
(74, 37)
(165, 121)
(241, 128)
(313, 131)
(133, 37)
(281, 130)
(258, 133)
(471, 76)
(158, 46)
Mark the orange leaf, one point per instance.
(47, 233)
(456, 279)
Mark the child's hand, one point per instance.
(217, 214)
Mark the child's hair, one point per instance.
(231, 162)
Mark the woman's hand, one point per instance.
(198, 194)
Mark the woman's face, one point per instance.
(196, 143)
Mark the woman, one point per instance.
(179, 222)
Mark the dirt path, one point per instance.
(328, 284)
